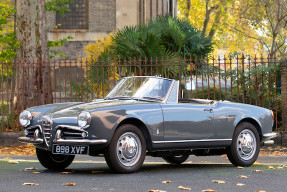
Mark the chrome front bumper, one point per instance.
(267, 138)
(30, 140)
(63, 141)
(79, 141)
(59, 140)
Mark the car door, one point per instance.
(187, 121)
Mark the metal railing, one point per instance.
(241, 79)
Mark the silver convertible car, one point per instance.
(143, 116)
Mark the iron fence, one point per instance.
(250, 80)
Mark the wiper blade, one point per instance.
(122, 97)
(136, 98)
(153, 98)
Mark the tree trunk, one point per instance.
(215, 24)
(188, 4)
(32, 75)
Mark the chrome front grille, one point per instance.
(47, 129)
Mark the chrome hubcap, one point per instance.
(246, 144)
(129, 149)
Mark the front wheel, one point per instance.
(126, 152)
(52, 161)
(244, 149)
(176, 159)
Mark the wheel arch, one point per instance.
(138, 123)
(253, 122)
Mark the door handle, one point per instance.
(210, 110)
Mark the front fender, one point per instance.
(105, 122)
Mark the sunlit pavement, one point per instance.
(92, 174)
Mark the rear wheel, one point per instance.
(176, 159)
(244, 149)
(126, 152)
(52, 161)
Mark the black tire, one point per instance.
(176, 159)
(117, 155)
(52, 161)
(239, 155)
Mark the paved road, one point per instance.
(92, 174)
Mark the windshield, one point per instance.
(141, 88)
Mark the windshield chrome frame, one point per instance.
(160, 101)
(174, 83)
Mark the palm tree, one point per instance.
(164, 37)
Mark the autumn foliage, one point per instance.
(28, 149)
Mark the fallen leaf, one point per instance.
(208, 190)
(270, 167)
(218, 181)
(256, 163)
(166, 181)
(13, 162)
(152, 190)
(7, 158)
(30, 184)
(36, 172)
(260, 191)
(258, 171)
(69, 184)
(240, 184)
(242, 176)
(184, 188)
(240, 167)
(65, 173)
(278, 167)
(96, 172)
(30, 169)
(28, 149)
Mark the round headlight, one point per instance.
(84, 119)
(25, 118)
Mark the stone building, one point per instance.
(90, 20)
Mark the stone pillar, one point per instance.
(284, 101)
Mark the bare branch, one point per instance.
(249, 36)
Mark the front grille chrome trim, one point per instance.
(47, 124)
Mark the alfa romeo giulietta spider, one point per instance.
(142, 116)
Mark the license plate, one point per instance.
(70, 150)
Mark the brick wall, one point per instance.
(102, 15)
(102, 18)
(74, 49)
(10, 138)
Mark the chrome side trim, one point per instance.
(186, 141)
(30, 140)
(79, 141)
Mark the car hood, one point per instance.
(73, 109)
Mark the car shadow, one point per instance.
(103, 169)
